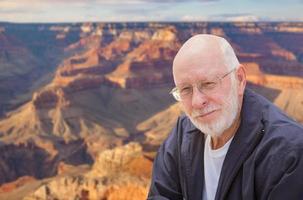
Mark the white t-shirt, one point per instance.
(213, 161)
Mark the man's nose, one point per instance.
(199, 99)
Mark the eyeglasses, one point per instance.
(206, 88)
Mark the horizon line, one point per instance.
(160, 21)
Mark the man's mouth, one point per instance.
(204, 114)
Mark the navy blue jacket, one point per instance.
(264, 160)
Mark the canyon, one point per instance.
(85, 106)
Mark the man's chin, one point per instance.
(213, 128)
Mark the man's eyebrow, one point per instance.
(183, 85)
(206, 79)
(209, 78)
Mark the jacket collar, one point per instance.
(245, 140)
(192, 158)
(190, 127)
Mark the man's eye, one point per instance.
(209, 85)
(185, 90)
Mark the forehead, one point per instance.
(193, 69)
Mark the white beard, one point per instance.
(225, 120)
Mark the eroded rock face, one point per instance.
(30, 159)
(124, 159)
(50, 98)
(24, 159)
(126, 192)
(120, 173)
(131, 60)
(8, 187)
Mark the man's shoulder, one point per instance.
(279, 124)
(286, 133)
(274, 117)
(280, 130)
(283, 133)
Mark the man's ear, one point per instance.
(241, 77)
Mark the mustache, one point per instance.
(208, 109)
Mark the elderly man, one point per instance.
(232, 144)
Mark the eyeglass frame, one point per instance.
(177, 96)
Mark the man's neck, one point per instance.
(218, 142)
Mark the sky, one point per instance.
(149, 10)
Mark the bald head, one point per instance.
(207, 51)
